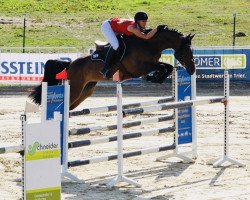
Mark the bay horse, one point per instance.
(141, 58)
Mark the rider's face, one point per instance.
(142, 23)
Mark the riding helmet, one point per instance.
(141, 16)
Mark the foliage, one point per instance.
(77, 22)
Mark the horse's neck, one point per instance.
(167, 41)
(155, 45)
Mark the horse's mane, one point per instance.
(165, 29)
(174, 30)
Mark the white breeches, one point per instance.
(109, 34)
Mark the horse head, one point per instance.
(172, 38)
(184, 54)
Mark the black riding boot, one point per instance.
(106, 70)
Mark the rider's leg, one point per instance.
(112, 39)
(106, 70)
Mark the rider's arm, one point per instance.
(139, 34)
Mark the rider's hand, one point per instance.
(161, 27)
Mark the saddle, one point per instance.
(103, 47)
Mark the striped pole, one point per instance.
(173, 105)
(125, 125)
(100, 140)
(114, 107)
(98, 159)
(12, 149)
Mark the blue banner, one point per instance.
(184, 114)
(236, 58)
(55, 103)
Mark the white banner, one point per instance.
(27, 68)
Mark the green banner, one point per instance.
(40, 155)
(45, 194)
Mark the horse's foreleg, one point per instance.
(166, 68)
(85, 93)
(162, 71)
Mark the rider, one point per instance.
(110, 28)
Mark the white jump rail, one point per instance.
(114, 107)
(80, 131)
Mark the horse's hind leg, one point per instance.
(85, 93)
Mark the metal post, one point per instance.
(194, 126)
(176, 112)
(24, 30)
(234, 27)
(24, 120)
(226, 157)
(119, 130)
(65, 128)
(226, 111)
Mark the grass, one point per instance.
(77, 22)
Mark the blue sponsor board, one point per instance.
(55, 103)
(237, 60)
(184, 114)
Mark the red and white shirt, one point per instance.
(120, 26)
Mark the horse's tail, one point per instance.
(51, 68)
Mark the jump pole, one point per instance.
(120, 177)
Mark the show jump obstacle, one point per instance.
(184, 91)
(41, 142)
(55, 99)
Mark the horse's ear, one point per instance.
(187, 39)
(191, 36)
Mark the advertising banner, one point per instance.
(184, 114)
(27, 68)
